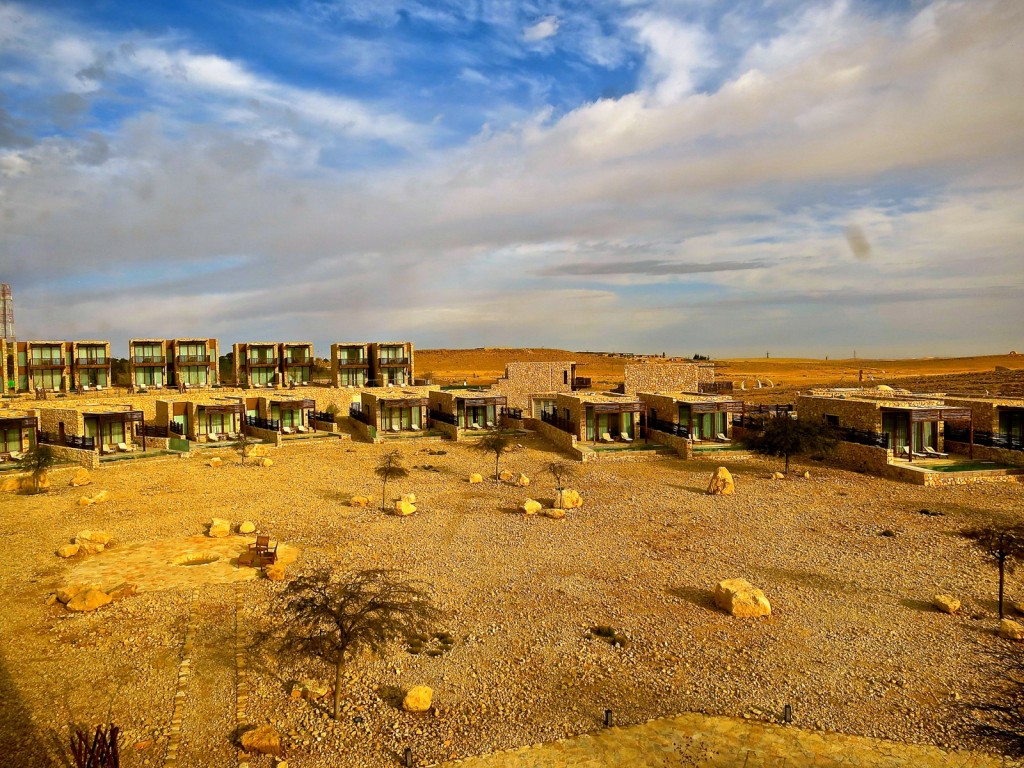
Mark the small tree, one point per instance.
(785, 436)
(1003, 543)
(334, 619)
(243, 444)
(497, 441)
(389, 468)
(37, 460)
(561, 471)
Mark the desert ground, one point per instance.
(849, 562)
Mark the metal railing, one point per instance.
(862, 437)
(580, 382)
(512, 413)
(358, 415)
(393, 360)
(552, 418)
(92, 361)
(151, 430)
(668, 427)
(194, 358)
(444, 418)
(70, 441)
(255, 362)
(261, 423)
(176, 428)
(960, 434)
(149, 359)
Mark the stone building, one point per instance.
(592, 418)
(43, 366)
(17, 431)
(691, 415)
(147, 363)
(193, 362)
(206, 422)
(532, 387)
(272, 363)
(90, 362)
(667, 377)
(393, 410)
(104, 429)
(391, 364)
(462, 412)
(350, 364)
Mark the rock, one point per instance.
(807, 474)
(100, 537)
(81, 478)
(418, 699)
(741, 599)
(404, 508)
(275, 572)
(85, 501)
(101, 497)
(263, 740)
(522, 481)
(409, 498)
(554, 514)
(314, 689)
(1018, 607)
(266, 462)
(64, 594)
(946, 603)
(256, 452)
(247, 526)
(476, 478)
(88, 600)
(92, 542)
(216, 462)
(721, 483)
(296, 691)
(778, 476)
(569, 499)
(219, 528)
(506, 476)
(10, 484)
(359, 501)
(531, 507)
(121, 591)
(1011, 629)
(67, 550)
(44, 482)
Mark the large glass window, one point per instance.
(10, 439)
(48, 378)
(1011, 427)
(194, 375)
(352, 377)
(262, 376)
(149, 376)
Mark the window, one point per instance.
(832, 421)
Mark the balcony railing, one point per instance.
(444, 418)
(149, 359)
(862, 437)
(392, 361)
(176, 428)
(71, 441)
(512, 413)
(580, 382)
(959, 434)
(151, 430)
(268, 362)
(92, 361)
(361, 362)
(359, 415)
(668, 427)
(298, 361)
(45, 362)
(322, 416)
(552, 418)
(261, 423)
(194, 358)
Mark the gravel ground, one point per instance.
(852, 642)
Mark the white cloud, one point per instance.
(542, 30)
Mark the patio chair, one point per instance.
(17, 455)
(720, 437)
(415, 427)
(106, 449)
(302, 430)
(85, 387)
(474, 425)
(286, 430)
(490, 425)
(606, 438)
(232, 435)
(99, 387)
(394, 429)
(125, 447)
(932, 453)
(624, 437)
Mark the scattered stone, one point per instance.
(930, 513)
(946, 603)
(531, 507)
(81, 478)
(275, 572)
(247, 526)
(569, 499)
(11, 484)
(476, 478)
(742, 599)
(506, 476)
(64, 594)
(91, 599)
(807, 474)
(314, 689)
(522, 481)
(263, 740)
(359, 501)
(889, 533)
(1011, 629)
(101, 497)
(778, 476)
(409, 498)
(404, 508)
(216, 462)
(67, 550)
(266, 462)
(85, 501)
(555, 514)
(418, 699)
(92, 542)
(1018, 607)
(219, 528)
(256, 451)
(296, 691)
(121, 591)
(721, 483)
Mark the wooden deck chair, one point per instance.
(934, 454)
(624, 437)
(123, 447)
(721, 437)
(262, 553)
(606, 438)
(490, 425)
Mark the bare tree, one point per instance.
(37, 461)
(785, 436)
(389, 468)
(561, 471)
(497, 441)
(335, 618)
(243, 444)
(1003, 543)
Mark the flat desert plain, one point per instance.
(849, 562)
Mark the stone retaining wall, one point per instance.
(365, 431)
(680, 445)
(266, 435)
(448, 430)
(88, 459)
(563, 441)
(325, 426)
(986, 453)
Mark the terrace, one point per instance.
(17, 434)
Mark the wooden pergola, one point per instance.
(938, 413)
(469, 401)
(702, 407)
(130, 416)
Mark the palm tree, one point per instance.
(389, 468)
(497, 441)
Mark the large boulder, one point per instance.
(721, 483)
(263, 740)
(404, 508)
(742, 599)
(409, 498)
(67, 550)
(10, 484)
(219, 528)
(65, 594)
(531, 507)
(418, 699)
(92, 542)
(275, 572)
(569, 499)
(247, 526)
(216, 461)
(359, 501)
(946, 603)
(121, 591)
(522, 481)
(81, 478)
(476, 478)
(88, 600)
(101, 497)
(1011, 630)
(85, 501)
(554, 514)
(265, 463)
(256, 452)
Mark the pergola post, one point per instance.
(970, 449)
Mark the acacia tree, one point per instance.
(1003, 543)
(334, 619)
(389, 468)
(785, 436)
(561, 471)
(37, 460)
(497, 441)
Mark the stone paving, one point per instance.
(701, 741)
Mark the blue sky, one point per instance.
(687, 176)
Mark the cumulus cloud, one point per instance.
(542, 30)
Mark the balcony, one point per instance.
(392, 361)
(361, 362)
(92, 362)
(194, 358)
(580, 382)
(41, 362)
(298, 361)
(263, 362)
(149, 359)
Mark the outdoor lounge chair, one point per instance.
(106, 449)
(125, 447)
(490, 425)
(414, 427)
(474, 425)
(302, 430)
(287, 430)
(606, 438)
(720, 437)
(624, 437)
(17, 455)
(394, 429)
(85, 387)
(232, 435)
(931, 452)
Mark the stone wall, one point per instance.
(266, 435)
(524, 379)
(680, 445)
(678, 377)
(325, 426)
(853, 414)
(864, 458)
(365, 431)
(50, 420)
(563, 441)
(450, 431)
(89, 459)
(986, 453)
